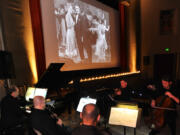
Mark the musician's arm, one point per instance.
(151, 87)
(153, 103)
(155, 94)
(172, 97)
(54, 115)
(175, 99)
(59, 122)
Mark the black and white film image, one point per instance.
(83, 32)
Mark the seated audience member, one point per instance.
(90, 116)
(43, 121)
(123, 93)
(11, 113)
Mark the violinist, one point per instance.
(43, 121)
(166, 90)
(122, 93)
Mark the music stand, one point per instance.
(125, 114)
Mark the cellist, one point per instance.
(166, 89)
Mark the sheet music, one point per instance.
(84, 101)
(123, 116)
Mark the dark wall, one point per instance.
(6, 65)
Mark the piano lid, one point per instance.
(54, 78)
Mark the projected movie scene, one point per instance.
(82, 32)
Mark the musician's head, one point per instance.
(123, 83)
(90, 115)
(13, 91)
(166, 82)
(39, 102)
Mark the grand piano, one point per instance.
(59, 82)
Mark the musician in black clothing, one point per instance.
(43, 121)
(123, 93)
(11, 113)
(167, 90)
(90, 116)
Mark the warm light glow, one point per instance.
(107, 76)
(31, 58)
(132, 38)
(126, 106)
(125, 3)
(29, 45)
(132, 58)
(71, 82)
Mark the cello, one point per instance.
(163, 104)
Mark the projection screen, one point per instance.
(83, 34)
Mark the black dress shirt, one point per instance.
(89, 130)
(42, 121)
(125, 95)
(11, 113)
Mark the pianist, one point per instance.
(44, 122)
(11, 113)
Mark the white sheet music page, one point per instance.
(84, 101)
(123, 116)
